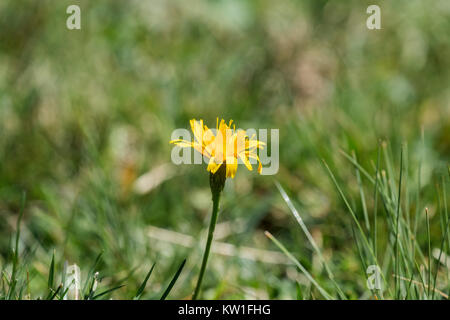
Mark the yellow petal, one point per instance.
(213, 166)
(200, 149)
(254, 156)
(197, 130)
(231, 169)
(246, 161)
(255, 144)
(181, 143)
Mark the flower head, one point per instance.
(225, 147)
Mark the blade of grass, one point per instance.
(360, 253)
(52, 296)
(419, 178)
(13, 281)
(63, 277)
(446, 218)
(419, 272)
(429, 251)
(375, 206)
(397, 257)
(61, 297)
(441, 249)
(356, 164)
(90, 274)
(309, 237)
(172, 282)
(444, 198)
(107, 291)
(299, 291)
(324, 293)
(51, 272)
(409, 285)
(28, 285)
(144, 283)
(361, 194)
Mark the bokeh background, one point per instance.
(86, 117)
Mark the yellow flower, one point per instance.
(226, 147)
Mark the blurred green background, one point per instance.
(87, 114)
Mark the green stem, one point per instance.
(212, 226)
